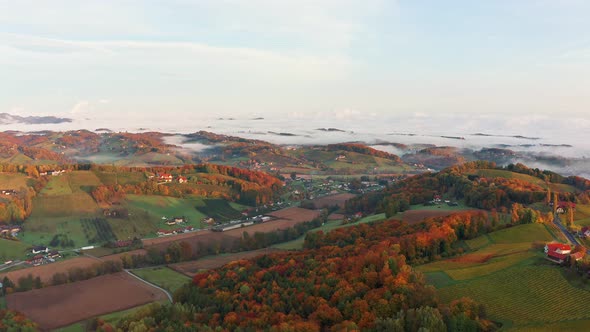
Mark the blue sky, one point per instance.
(291, 58)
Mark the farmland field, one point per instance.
(9, 250)
(46, 272)
(83, 300)
(12, 181)
(163, 277)
(328, 201)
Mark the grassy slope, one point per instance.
(9, 250)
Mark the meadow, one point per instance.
(164, 277)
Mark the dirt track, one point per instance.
(63, 305)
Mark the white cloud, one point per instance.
(80, 107)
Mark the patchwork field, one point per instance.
(64, 305)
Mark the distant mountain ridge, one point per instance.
(6, 118)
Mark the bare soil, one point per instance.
(63, 305)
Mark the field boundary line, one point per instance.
(151, 284)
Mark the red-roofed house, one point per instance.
(165, 177)
(560, 248)
(182, 179)
(558, 258)
(558, 252)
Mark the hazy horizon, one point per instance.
(261, 57)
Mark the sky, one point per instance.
(294, 59)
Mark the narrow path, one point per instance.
(150, 284)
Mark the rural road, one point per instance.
(7, 266)
(150, 284)
(568, 235)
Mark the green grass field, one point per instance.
(164, 206)
(57, 186)
(9, 250)
(521, 233)
(163, 277)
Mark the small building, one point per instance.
(559, 248)
(585, 231)
(39, 249)
(54, 254)
(165, 177)
(181, 179)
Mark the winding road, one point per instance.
(568, 235)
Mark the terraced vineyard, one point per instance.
(525, 295)
(519, 288)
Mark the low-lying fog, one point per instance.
(549, 135)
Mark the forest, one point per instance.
(460, 182)
(348, 279)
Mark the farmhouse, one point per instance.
(181, 179)
(54, 254)
(175, 221)
(165, 177)
(559, 252)
(39, 249)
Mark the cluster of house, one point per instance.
(438, 200)
(167, 178)
(53, 172)
(11, 230)
(8, 192)
(559, 252)
(164, 232)
(175, 221)
(42, 255)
